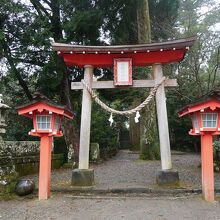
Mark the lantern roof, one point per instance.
(211, 101)
(141, 54)
(41, 103)
(2, 105)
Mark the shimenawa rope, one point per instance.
(127, 112)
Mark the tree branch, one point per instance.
(47, 2)
(23, 84)
(32, 62)
(216, 66)
(39, 7)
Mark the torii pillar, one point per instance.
(156, 55)
(85, 176)
(166, 176)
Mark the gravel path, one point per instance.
(68, 207)
(126, 171)
(122, 171)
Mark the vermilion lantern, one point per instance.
(205, 116)
(46, 117)
(123, 71)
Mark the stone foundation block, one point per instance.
(82, 177)
(167, 177)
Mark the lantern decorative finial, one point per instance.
(3, 109)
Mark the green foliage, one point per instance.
(216, 146)
(163, 14)
(82, 29)
(17, 126)
(120, 19)
(179, 127)
(198, 73)
(102, 133)
(7, 191)
(150, 152)
(26, 32)
(216, 150)
(61, 148)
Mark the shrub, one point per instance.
(216, 155)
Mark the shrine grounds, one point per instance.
(66, 207)
(125, 189)
(125, 172)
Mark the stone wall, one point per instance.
(94, 152)
(19, 158)
(19, 148)
(29, 164)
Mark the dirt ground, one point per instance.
(124, 171)
(67, 207)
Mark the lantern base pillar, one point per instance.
(167, 177)
(82, 177)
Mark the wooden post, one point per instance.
(85, 120)
(162, 120)
(45, 167)
(207, 167)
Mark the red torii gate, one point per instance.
(90, 57)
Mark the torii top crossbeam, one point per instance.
(141, 54)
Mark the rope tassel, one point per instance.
(111, 119)
(136, 119)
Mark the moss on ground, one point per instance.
(7, 192)
(179, 185)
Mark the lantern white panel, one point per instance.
(209, 120)
(195, 121)
(57, 123)
(43, 122)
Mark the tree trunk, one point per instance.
(143, 23)
(146, 129)
(149, 141)
(71, 133)
(134, 129)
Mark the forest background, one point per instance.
(28, 64)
